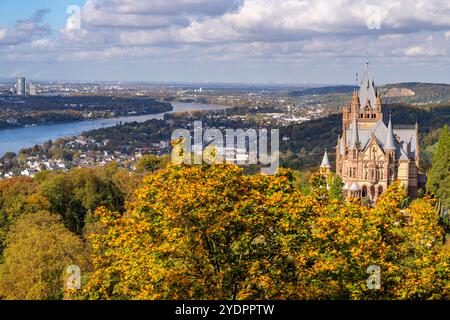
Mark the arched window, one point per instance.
(364, 192)
(380, 190)
(372, 192)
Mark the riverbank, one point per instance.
(12, 140)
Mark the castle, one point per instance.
(371, 155)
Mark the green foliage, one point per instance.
(335, 183)
(150, 163)
(438, 181)
(79, 191)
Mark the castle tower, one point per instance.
(370, 155)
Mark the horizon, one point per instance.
(192, 83)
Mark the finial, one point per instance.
(367, 60)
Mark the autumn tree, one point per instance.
(39, 248)
(210, 232)
(18, 196)
(194, 232)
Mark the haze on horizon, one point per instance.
(228, 41)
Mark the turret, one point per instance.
(325, 166)
(325, 162)
(378, 103)
(355, 104)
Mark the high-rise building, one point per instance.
(32, 89)
(20, 86)
(370, 155)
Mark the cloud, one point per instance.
(301, 32)
(25, 30)
(155, 13)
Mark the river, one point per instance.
(12, 140)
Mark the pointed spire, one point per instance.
(389, 145)
(354, 139)
(367, 90)
(325, 162)
(367, 60)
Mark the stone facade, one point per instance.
(371, 155)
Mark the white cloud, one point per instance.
(25, 30)
(284, 31)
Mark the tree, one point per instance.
(335, 182)
(150, 163)
(18, 196)
(38, 251)
(193, 232)
(438, 178)
(80, 191)
(210, 232)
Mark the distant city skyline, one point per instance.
(225, 41)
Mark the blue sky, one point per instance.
(257, 41)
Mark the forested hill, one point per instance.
(407, 92)
(322, 90)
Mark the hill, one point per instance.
(322, 90)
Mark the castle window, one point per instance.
(364, 192)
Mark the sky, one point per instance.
(251, 41)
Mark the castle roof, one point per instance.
(403, 139)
